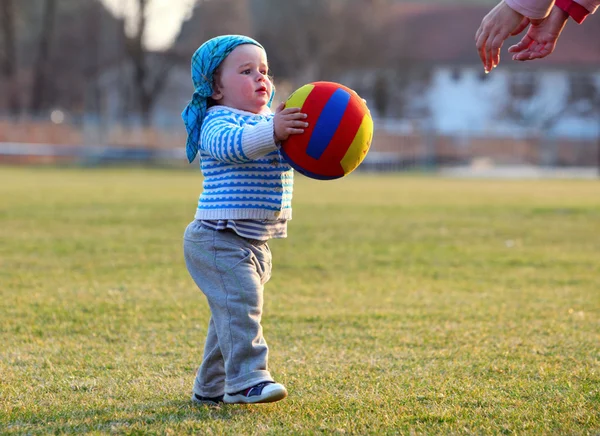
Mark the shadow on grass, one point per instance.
(149, 415)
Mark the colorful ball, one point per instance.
(339, 132)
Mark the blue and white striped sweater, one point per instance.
(245, 175)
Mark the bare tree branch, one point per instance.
(9, 61)
(147, 86)
(45, 38)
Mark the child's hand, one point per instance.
(288, 122)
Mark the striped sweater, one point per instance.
(245, 175)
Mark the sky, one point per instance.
(163, 19)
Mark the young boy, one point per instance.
(246, 200)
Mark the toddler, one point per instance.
(245, 201)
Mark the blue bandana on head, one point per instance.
(204, 63)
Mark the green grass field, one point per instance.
(397, 305)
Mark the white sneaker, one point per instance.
(265, 392)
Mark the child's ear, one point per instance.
(217, 94)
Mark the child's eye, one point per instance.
(246, 71)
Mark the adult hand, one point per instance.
(500, 23)
(288, 121)
(540, 39)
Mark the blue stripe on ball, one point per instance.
(327, 124)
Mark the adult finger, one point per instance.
(523, 44)
(534, 51)
(492, 48)
(521, 56)
(478, 33)
(527, 53)
(480, 44)
(496, 46)
(487, 50)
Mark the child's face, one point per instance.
(242, 82)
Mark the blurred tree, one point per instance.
(63, 49)
(38, 90)
(211, 18)
(381, 94)
(78, 38)
(90, 42)
(314, 39)
(9, 58)
(147, 84)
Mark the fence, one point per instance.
(32, 142)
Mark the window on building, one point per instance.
(522, 85)
(455, 74)
(582, 87)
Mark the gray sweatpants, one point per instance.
(231, 272)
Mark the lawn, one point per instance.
(398, 305)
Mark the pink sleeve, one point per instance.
(590, 5)
(533, 8)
